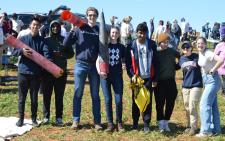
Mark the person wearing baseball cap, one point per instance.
(191, 86)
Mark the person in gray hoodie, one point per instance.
(60, 55)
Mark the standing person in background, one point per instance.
(206, 30)
(177, 31)
(160, 29)
(166, 89)
(152, 27)
(172, 38)
(126, 31)
(191, 86)
(114, 79)
(144, 52)
(185, 29)
(17, 24)
(209, 111)
(215, 33)
(29, 73)
(60, 55)
(7, 24)
(114, 21)
(86, 39)
(220, 50)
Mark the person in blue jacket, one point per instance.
(29, 73)
(144, 51)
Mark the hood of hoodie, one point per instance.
(59, 29)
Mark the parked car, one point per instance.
(26, 17)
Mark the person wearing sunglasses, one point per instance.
(86, 39)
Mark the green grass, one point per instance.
(8, 107)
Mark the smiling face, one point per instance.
(55, 28)
(114, 34)
(34, 27)
(92, 17)
(186, 51)
(201, 44)
(164, 44)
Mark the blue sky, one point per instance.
(196, 12)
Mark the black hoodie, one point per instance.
(60, 52)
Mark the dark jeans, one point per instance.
(148, 112)
(116, 81)
(28, 82)
(59, 84)
(165, 96)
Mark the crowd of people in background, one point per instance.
(157, 55)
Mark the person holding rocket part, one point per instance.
(29, 73)
(86, 39)
(60, 55)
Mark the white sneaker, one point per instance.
(166, 126)
(202, 135)
(45, 121)
(161, 126)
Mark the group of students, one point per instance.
(156, 65)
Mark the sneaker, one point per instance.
(166, 126)
(135, 127)
(45, 121)
(202, 135)
(110, 127)
(192, 132)
(98, 127)
(146, 129)
(75, 125)
(35, 123)
(59, 121)
(120, 127)
(161, 126)
(20, 122)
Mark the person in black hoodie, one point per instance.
(29, 73)
(60, 55)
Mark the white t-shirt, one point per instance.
(23, 32)
(145, 59)
(17, 25)
(184, 27)
(206, 61)
(124, 30)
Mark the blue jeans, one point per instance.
(209, 111)
(81, 72)
(116, 81)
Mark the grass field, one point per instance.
(8, 107)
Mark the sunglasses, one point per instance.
(92, 15)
